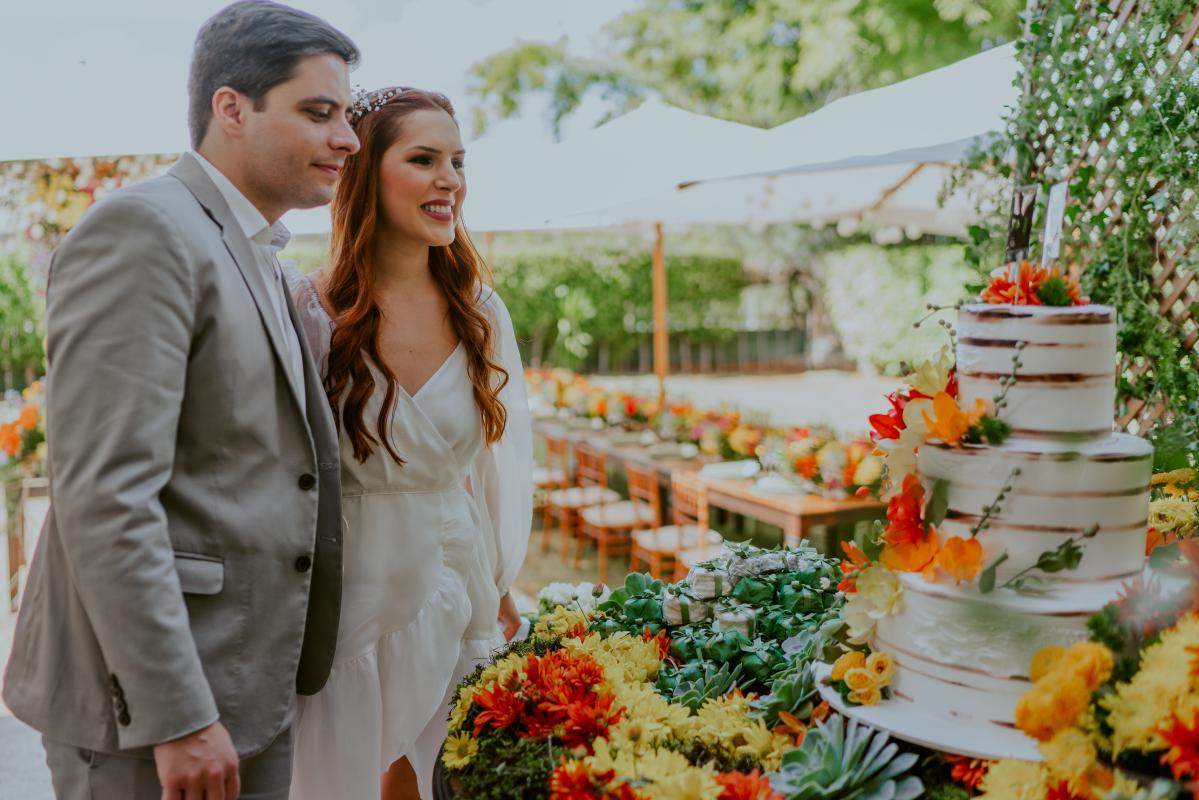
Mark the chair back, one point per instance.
(557, 457)
(591, 466)
(643, 492)
(689, 504)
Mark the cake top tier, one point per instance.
(1092, 314)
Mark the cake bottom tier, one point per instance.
(966, 655)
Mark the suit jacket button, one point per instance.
(303, 564)
(307, 481)
(124, 719)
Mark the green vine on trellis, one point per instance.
(1082, 97)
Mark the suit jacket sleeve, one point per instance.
(121, 314)
(501, 477)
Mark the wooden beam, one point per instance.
(661, 338)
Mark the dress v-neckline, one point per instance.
(431, 378)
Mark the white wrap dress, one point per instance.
(430, 547)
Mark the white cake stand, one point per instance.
(960, 735)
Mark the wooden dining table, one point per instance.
(796, 514)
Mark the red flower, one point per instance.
(573, 780)
(501, 707)
(662, 640)
(851, 568)
(1060, 791)
(1183, 755)
(740, 786)
(908, 547)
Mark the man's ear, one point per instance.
(229, 110)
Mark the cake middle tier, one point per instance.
(1058, 491)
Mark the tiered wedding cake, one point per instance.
(962, 656)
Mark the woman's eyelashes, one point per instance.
(427, 161)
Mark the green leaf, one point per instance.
(986, 579)
(937, 504)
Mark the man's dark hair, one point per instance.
(253, 46)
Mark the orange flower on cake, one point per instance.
(1034, 286)
(961, 558)
(907, 546)
(951, 423)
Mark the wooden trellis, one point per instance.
(1070, 139)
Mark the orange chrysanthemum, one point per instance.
(501, 708)
(662, 640)
(961, 558)
(951, 423)
(742, 786)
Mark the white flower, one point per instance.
(933, 375)
(879, 594)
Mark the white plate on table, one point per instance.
(730, 470)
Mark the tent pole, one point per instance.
(661, 340)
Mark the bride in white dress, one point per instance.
(436, 461)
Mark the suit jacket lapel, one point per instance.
(187, 170)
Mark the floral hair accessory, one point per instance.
(364, 102)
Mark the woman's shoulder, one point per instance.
(489, 300)
(305, 291)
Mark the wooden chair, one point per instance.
(553, 475)
(566, 502)
(686, 542)
(609, 523)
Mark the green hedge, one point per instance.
(563, 304)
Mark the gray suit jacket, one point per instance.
(190, 567)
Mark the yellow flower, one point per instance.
(870, 696)
(859, 678)
(882, 667)
(1045, 661)
(868, 471)
(1069, 756)
(461, 710)
(459, 750)
(1091, 662)
(932, 376)
(1174, 476)
(1015, 780)
(1160, 689)
(1172, 513)
(854, 659)
(559, 621)
(1052, 707)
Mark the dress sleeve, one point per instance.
(501, 478)
(316, 326)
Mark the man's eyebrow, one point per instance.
(434, 150)
(320, 100)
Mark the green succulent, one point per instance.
(711, 682)
(794, 692)
(840, 762)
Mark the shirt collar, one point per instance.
(249, 218)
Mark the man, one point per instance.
(188, 581)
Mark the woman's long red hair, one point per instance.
(350, 291)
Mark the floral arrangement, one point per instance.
(1173, 508)
(1035, 285)
(628, 701)
(827, 465)
(1116, 711)
(22, 438)
(861, 679)
(580, 596)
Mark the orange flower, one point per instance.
(851, 568)
(961, 558)
(742, 786)
(806, 466)
(1183, 755)
(951, 422)
(28, 418)
(1024, 290)
(969, 772)
(1155, 539)
(10, 439)
(501, 708)
(1045, 710)
(792, 727)
(822, 712)
(912, 556)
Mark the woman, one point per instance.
(422, 371)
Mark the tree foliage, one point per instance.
(563, 303)
(760, 62)
(22, 311)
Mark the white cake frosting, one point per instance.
(1066, 383)
(963, 655)
(1063, 489)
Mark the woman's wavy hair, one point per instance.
(349, 289)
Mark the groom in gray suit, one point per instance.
(188, 581)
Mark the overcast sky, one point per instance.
(86, 77)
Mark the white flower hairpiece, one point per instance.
(364, 102)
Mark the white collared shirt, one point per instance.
(266, 241)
